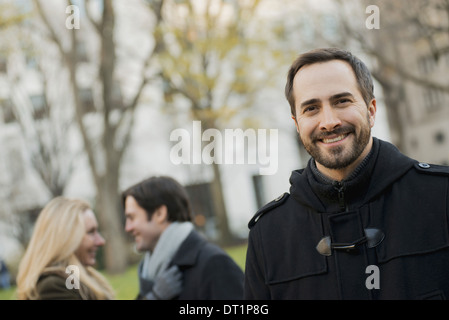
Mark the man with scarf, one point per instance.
(362, 220)
(178, 262)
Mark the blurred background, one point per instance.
(90, 91)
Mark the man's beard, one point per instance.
(338, 157)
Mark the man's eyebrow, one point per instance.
(331, 98)
(340, 95)
(309, 102)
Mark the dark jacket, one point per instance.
(208, 272)
(52, 286)
(322, 240)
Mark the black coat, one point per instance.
(209, 273)
(404, 202)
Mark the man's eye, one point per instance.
(309, 109)
(342, 101)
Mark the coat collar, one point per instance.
(390, 165)
(187, 253)
(386, 164)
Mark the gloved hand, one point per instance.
(167, 285)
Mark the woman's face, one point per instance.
(92, 240)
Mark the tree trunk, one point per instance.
(225, 235)
(108, 211)
(115, 253)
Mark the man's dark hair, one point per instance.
(362, 74)
(154, 192)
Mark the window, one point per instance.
(81, 52)
(87, 100)
(414, 143)
(439, 137)
(446, 58)
(3, 64)
(200, 196)
(259, 190)
(39, 106)
(7, 110)
(433, 99)
(31, 61)
(427, 64)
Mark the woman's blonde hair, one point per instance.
(58, 232)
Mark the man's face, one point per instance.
(332, 119)
(92, 240)
(146, 232)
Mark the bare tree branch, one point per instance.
(90, 17)
(70, 60)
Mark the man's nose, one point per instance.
(128, 226)
(329, 118)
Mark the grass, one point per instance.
(8, 294)
(126, 284)
(238, 253)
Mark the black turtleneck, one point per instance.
(338, 196)
(381, 167)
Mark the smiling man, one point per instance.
(185, 265)
(332, 119)
(362, 220)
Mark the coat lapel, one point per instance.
(187, 254)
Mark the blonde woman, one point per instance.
(59, 260)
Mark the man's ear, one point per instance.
(372, 109)
(296, 123)
(161, 214)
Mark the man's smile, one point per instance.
(334, 139)
(338, 138)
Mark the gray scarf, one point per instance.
(166, 247)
